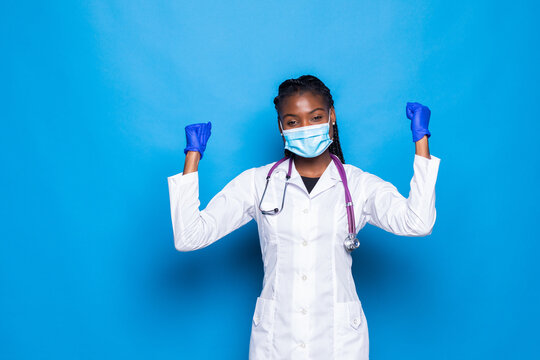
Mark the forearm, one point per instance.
(188, 228)
(422, 147)
(191, 163)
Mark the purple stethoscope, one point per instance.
(351, 242)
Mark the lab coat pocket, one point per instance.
(262, 329)
(352, 340)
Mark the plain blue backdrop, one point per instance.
(94, 99)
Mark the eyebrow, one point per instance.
(293, 115)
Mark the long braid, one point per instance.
(313, 84)
(335, 146)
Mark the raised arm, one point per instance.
(229, 209)
(385, 207)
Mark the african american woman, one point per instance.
(309, 207)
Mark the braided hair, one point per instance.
(314, 85)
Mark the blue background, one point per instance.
(95, 97)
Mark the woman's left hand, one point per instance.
(419, 116)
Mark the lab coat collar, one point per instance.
(328, 179)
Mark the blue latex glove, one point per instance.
(419, 116)
(196, 137)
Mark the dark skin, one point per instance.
(302, 110)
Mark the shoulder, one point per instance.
(353, 169)
(262, 170)
(362, 178)
(354, 172)
(255, 172)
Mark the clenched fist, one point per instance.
(419, 116)
(196, 137)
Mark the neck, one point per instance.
(312, 167)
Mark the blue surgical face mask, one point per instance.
(308, 141)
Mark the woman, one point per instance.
(308, 307)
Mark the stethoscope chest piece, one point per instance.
(351, 243)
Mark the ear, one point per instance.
(333, 121)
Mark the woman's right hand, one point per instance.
(196, 137)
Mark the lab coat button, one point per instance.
(304, 243)
(304, 311)
(302, 344)
(304, 277)
(306, 211)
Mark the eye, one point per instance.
(318, 117)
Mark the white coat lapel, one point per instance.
(328, 179)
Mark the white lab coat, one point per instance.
(308, 307)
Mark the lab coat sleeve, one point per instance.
(228, 210)
(387, 209)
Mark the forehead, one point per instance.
(302, 102)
